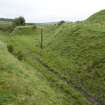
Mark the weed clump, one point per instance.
(17, 54)
(10, 48)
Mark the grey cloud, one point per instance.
(50, 10)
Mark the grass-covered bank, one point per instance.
(69, 70)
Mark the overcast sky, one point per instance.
(50, 10)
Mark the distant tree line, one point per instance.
(6, 19)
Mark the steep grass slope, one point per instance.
(81, 54)
(98, 17)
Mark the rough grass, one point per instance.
(6, 26)
(24, 30)
(70, 68)
(79, 56)
(98, 17)
(20, 84)
(29, 82)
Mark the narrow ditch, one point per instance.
(93, 100)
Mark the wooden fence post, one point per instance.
(41, 39)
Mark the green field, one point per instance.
(69, 70)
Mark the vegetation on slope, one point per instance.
(98, 17)
(81, 54)
(22, 84)
(6, 26)
(71, 64)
